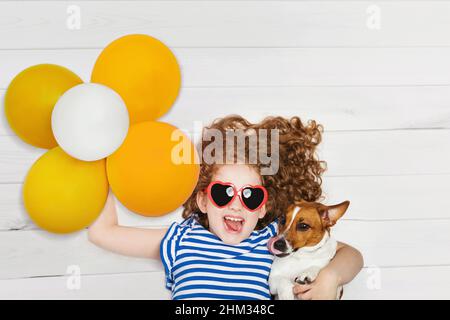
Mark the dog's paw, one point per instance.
(307, 276)
(302, 280)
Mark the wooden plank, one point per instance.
(16, 158)
(43, 24)
(38, 253)
(266, 67)
(361, 153)
(397, 243)
(12, 211)
(400, 152)
(383, 244)
(382, 283)
(400, 283)
(373, 198)
(391, 197)
(149, 285)
(336, 108)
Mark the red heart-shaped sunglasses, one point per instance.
(222, 193)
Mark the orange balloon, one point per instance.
(155, 170)
(30, 99)
(143, 71)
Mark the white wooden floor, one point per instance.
(375, 74)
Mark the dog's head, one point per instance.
(304, 225)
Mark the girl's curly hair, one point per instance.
(299, 173)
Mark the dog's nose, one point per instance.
(280, 245)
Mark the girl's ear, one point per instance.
(201, 201)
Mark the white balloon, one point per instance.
(90, 121)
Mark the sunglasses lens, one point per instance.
(252, 197)
(222, 194)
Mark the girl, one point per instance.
(220, 249)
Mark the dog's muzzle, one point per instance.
(278, 246)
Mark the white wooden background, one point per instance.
(383, 96)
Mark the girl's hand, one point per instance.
(341, 270)
(323, 288)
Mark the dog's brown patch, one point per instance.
(310, 223)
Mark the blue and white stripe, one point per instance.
(199, 265)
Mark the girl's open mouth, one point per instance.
(233, 224)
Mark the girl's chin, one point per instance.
(232, 238)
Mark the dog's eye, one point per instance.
(303, 227)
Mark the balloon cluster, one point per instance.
(100, 134)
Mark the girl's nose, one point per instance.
(236, 204)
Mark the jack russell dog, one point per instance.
(303, 246)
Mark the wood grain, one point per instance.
(371, 283)
(268, 67)
(42, 24)
(124, 286)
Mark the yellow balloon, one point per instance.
(155, 170)
(30, 98)
(63, 194)
(143, 71)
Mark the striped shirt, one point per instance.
(198, 265)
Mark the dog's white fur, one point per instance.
(305, 263)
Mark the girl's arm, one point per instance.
(345, 265)
(137, 242)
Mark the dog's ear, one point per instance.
(331, 214)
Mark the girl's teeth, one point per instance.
(233, 219)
